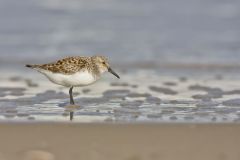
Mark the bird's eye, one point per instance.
(103, 63)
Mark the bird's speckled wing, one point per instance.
(69, 65)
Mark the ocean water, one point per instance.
(186, 31)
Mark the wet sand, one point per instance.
(119, 141)
(164, 97)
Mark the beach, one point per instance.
(49, 141)
(178, 96)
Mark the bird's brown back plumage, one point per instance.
(67, 65)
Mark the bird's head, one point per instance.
(103, 65)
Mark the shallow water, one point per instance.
(139, 96)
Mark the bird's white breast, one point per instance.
(81, 78)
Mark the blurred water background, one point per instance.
(127, 31)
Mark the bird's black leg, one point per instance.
(71, 96)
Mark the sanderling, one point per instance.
(75, 71)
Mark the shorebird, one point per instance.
(74, 71)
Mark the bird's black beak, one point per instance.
(114, 73)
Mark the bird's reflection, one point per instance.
(70, 109)
(71, 115)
